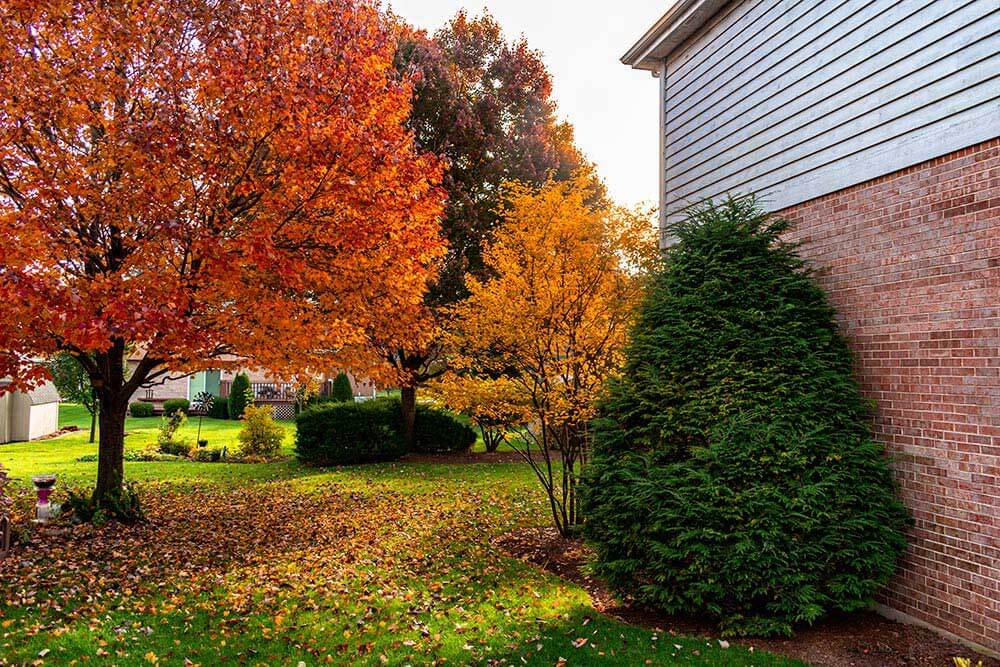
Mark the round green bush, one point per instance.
(734, 472)
(437, 431)
(347, 433)
(172, 405)
(140, 409)
(238, 394)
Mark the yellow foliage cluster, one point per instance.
(548, 329)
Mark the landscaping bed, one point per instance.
(860, 640)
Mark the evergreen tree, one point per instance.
(239, 393)
(734, 471)
(341, 390)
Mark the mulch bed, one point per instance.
(860, 640)
(63, 431)
(465, 457)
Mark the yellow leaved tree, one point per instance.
(546, 331)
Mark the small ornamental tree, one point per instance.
(734, 471)
(497, 406)
(239, 392)
(552, 321)
(207, 183)
(73, 384)
(341, 389)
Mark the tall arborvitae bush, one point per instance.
(239, 395)
(341, 390)
(734, 472)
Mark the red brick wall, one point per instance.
(911, 261)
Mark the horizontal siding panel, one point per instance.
(696, 60)
(922, 36)
(912, 98)
(795, 38)
(795, 107)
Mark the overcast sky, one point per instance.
(612, 106)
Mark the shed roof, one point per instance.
(681, 19)
(43, 394)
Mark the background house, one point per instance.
(28, 415)
(280, 395)
(874, 125)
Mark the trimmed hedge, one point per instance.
(220, 409)
(140, 409)
(172, 405)
(346, 433)
(439, 432)
(734, 473)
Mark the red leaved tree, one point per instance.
(198, 178)
(484, 104)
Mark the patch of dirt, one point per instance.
(860, 640)
(465, 457)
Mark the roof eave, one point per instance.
(679, 22)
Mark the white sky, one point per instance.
(612, 107)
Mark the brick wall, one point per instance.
(911, 261)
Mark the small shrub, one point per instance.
(167, 441)
(125, 507)
(347, 433)
(219, 409)
(341, 389)
(239, 396)
(437, 431)
(170, 406)
(207, 455)
(140, 409)
(260, 436)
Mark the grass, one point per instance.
(282, 564)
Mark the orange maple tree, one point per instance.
(547, 330)
(204, 179)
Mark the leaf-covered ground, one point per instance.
(387, 564)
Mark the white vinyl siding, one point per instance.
(793, 99)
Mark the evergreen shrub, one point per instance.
(172, 405)
(239, 392)
(140, 409)
(347, 433)
(734, 472)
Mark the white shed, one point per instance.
(29, 415)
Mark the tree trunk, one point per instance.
(93, 420)
(110, 450)
(408, 402)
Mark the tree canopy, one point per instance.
(199, 178)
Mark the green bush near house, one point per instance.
(219, 409)
(341, 389)
(238, 393)
(172, 405)
(140, 409)
(346, 433)
(734, 472)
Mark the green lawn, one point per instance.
(280, 564)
